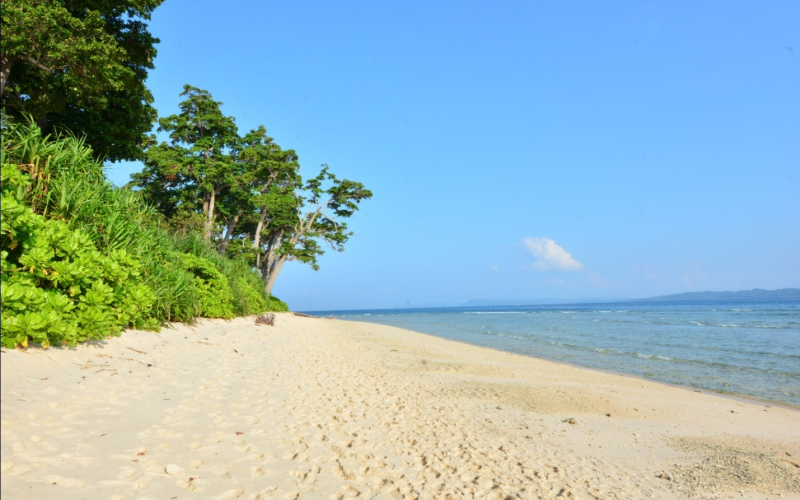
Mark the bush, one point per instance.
(250, 297)
(215, 299)
(69, 185)
(56, 287)
(275, 304)
(249, 301)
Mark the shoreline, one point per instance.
(314, 408)
(745, 398)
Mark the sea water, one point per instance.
(746, 348)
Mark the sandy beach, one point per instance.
(317, 408)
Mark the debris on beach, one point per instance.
(266, 319)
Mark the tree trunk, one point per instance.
(206, 227)
(259, 227)
(228, 232)
(273, 275)
(209, 223)
(5, 71)
(269, 254)
(265, 268)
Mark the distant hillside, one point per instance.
(755, 294)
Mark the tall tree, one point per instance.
(317, 216)
(245, 192)
(186, 175)
(262, 164)
(81, 65)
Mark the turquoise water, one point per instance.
(747, 348)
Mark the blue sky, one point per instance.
(518, 149)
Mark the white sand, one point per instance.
(315, 408)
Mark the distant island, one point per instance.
(754, 294)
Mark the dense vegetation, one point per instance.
(81, 65)
(202, 231)
(83, 259)
(244, 193)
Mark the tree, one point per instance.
(316, 215)
(245, 192)
(262, 165)
(187, 175)
(81, 65)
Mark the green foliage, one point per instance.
(69, 185)
(244, 191)
(274, 304)
(248, 288)
(250, 301)
(316, 217)
(56, 287)
(215, 299)
(82, 259)
(81, 64)
(187, 175)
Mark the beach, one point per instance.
(320, 408)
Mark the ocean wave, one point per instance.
(495, 312)
(776, 326)
(652, 356)
(510, 336)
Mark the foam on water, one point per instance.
(749, 348)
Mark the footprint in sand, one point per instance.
(167, 433)
(252, 458)
(65, 482)
(231, 494)
(187, 484)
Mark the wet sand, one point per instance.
(316, 408)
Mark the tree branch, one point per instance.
(37, 63)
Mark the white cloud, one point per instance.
(492, 267)
(549, 255)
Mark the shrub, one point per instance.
(215, 299)
(248, 299)
(56, 287)
(69, 185)
(275, 304)
(247, 285)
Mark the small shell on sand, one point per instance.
(173, 470)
